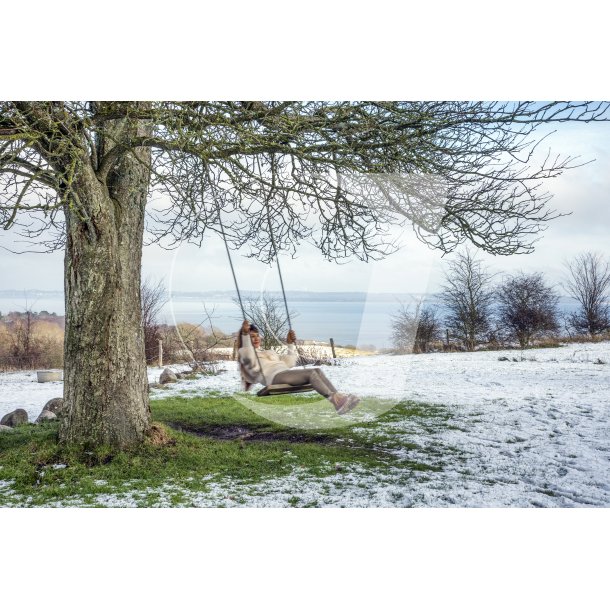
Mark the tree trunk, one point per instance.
(105, 380)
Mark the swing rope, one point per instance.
(279, 269)
(275, 252)
(224, 238)
(241, 304)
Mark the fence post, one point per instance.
(160, 353)
(332, 347)
(447, 335)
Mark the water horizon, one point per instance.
(350, 318)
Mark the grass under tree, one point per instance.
(199, 441)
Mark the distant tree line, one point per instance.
(31, 340)
(519, 308)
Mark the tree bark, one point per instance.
(105, 377)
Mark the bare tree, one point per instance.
(268, 314)
(414, 330)
(589, 283)
(85, 170)
(468, 297)
(527, 307)
(200, 343)
(25, 349)
(154, 298)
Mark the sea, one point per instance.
(360, 319)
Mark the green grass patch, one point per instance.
(216, 438)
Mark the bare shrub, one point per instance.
(586, 338)
(153, 297)
(527, 307)
(28, 341)
(268, 314)
(196, 344)
(415, 331)
(50, 339)
(194, 340)
(589, 283)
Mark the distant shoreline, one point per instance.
(297, 295)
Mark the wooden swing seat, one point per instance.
(283, 388)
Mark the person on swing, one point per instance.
(278, 369)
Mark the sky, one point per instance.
(582, 191)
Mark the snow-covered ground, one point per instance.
(22, 391)
(533, 430)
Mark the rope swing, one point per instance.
(274, 389)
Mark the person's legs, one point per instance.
(325, 380)
(318, 380)
(343, 403)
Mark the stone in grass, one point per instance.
(55, 405)
(168, 376)
(15, 418)
(5, 429)
(46, 416)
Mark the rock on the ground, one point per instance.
(168, 376)
(5, 429)
(46, 416)
(15, 418)
(55, 405)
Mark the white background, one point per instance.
(303, 559)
